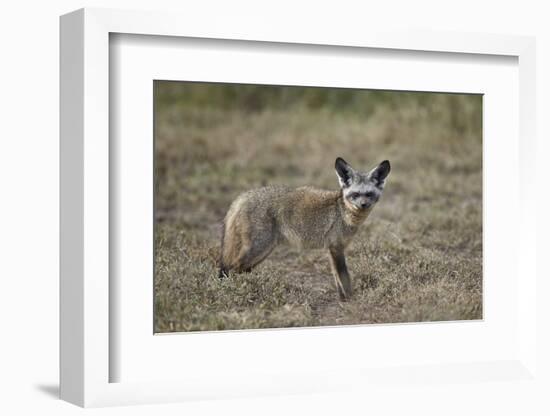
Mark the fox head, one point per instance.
(361, 190)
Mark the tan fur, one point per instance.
(305, 217)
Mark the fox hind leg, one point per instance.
(253, 255)
(242, 249)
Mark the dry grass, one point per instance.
(417, 258)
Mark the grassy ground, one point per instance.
(417, 258)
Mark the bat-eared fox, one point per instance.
(260, 219)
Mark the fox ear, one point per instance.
(344, 172)
(379, 173)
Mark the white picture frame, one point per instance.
(86, 356)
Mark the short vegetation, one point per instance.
(417, 258)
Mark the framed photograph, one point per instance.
(269, 212)
(242, 243)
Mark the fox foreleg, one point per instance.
(340, 273)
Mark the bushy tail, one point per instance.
(223, 273)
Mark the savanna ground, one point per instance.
(417, 258)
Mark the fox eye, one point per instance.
(369, 195)
(354, 195)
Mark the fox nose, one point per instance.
(364, 204)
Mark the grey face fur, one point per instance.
(361, 189)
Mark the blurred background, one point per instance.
(417, 258)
